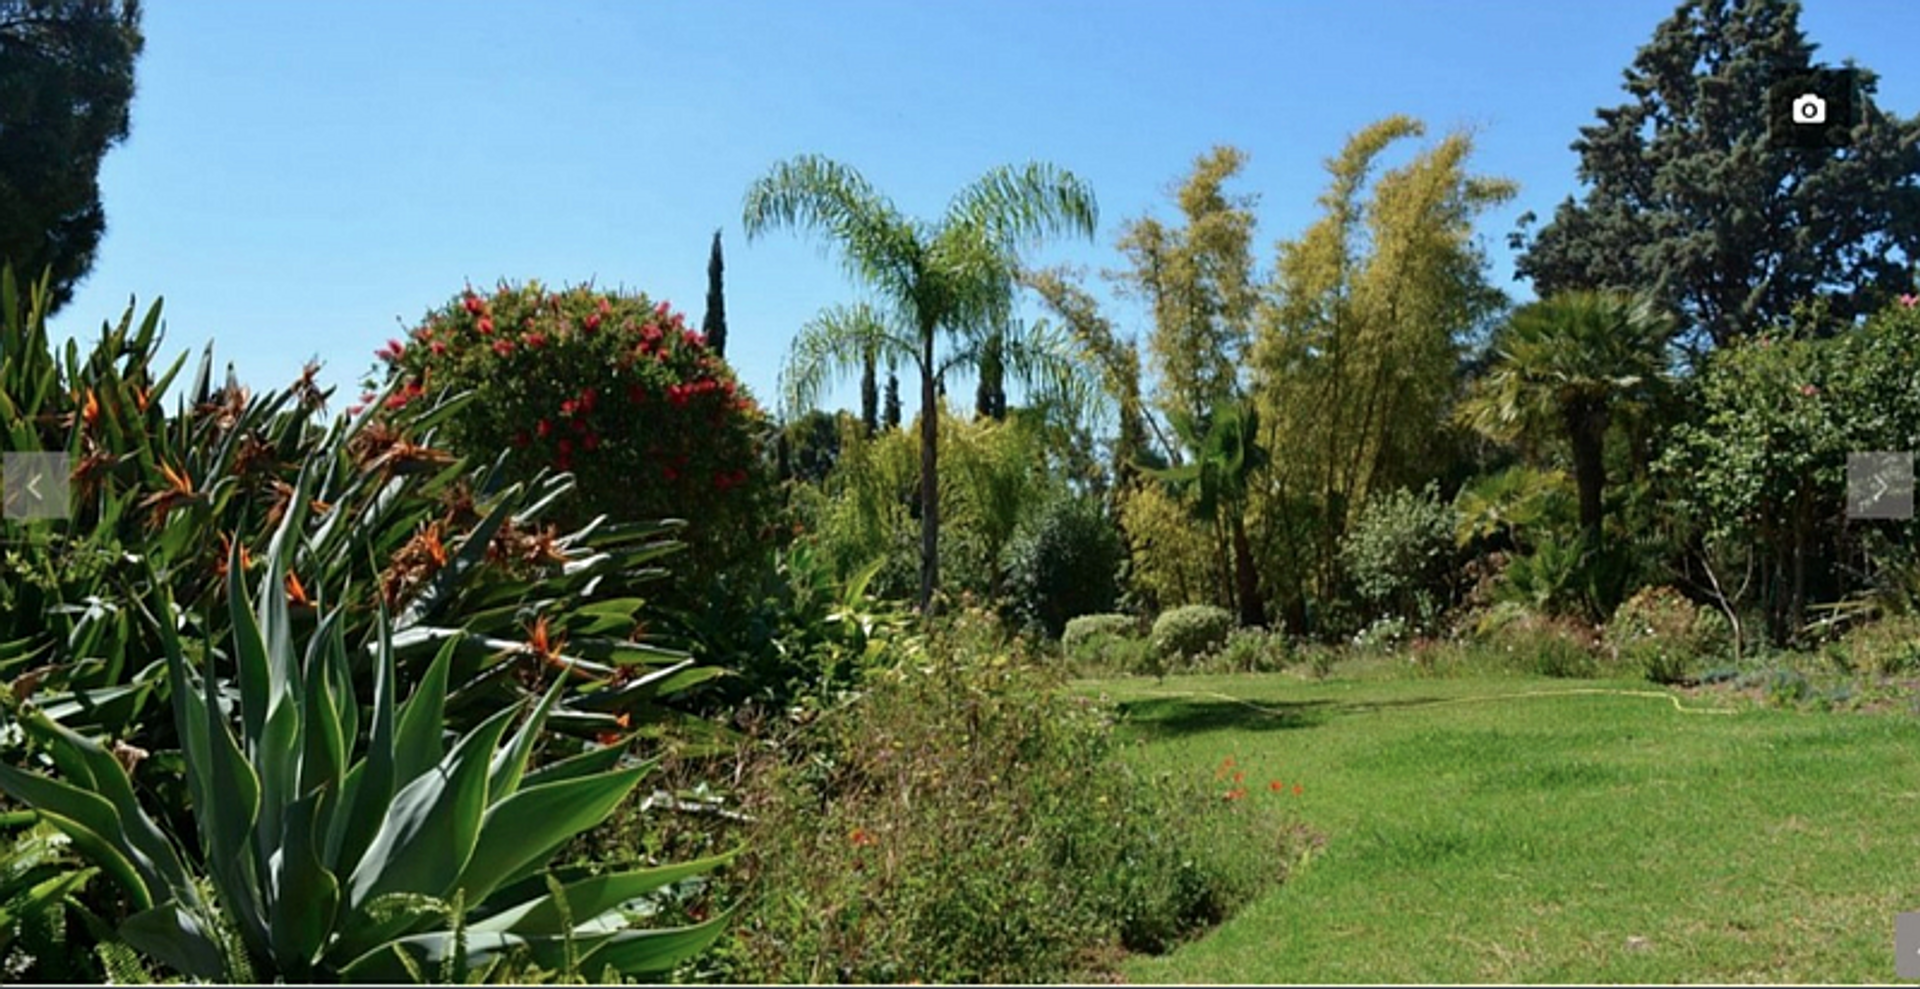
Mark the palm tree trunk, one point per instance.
(1586, 432)
(929, 476)
(1253, 610)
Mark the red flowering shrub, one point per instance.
(614, 388)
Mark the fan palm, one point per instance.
(1226, 455)
(955, 275)
(1565, 365)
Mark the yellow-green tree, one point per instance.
(1358, 343)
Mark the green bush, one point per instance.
(1088, 627)
(968, 820)
(1659, 633)
(1888, 647)
(1189, 632)
(1063, 562)
(1252, 650)
(1400, 551)
(1525, 641)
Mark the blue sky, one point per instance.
(303, 179)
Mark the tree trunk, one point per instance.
(1587, 432)
(929, 476)
(1253, 610)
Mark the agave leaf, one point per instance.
(594, 896)
(307, 895)
(368, 790)
(432, 826)
(528, 827)
(418, 746)
(510, 763)
(84, 818)
(594, 760)
(648, 952)
(426, 952)
(179, 939)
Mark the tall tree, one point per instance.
(990, 395)
(1687, 198)
(1354, 363)
(954, 276)
(890, 406)
(714, 324)
(1197, 281)
(1226, 455)
(869, 394)
(66, 81)
(1565, 365)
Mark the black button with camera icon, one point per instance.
(1814, 110)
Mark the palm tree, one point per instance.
(1226, 453)
(1565, 365)
(955, 275)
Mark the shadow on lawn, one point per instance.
(1175, 716)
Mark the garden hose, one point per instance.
(1465, 700)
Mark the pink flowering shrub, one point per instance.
(614, 388)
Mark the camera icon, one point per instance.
(1809, 109)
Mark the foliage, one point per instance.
(1889, 647)
(1529, 642)
(1118, 362)
(1198, 283)
(39, 874)
(1356, 355)
(329, 847)
(1688, 198)
(1660, 633)
(713, 325)
(1086, 628)
(956, 275)
(1399, 553)
(66, 83)
(609, 387)
(385, 520)
(1512, 506)
(1172, 559)
(1190, 632)
(1063, 563)
(1252, 650)
(970, 821)
(1569, 366)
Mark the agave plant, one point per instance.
(331, 849)
(386, 520)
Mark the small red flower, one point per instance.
(485, 325)
(543, 427)
(1236, 793)
(503, 347)
(1276, 785)
(591, 323)
(660, 311)
(474, 305)
(587, 399)
(536, 340)
(861, 838)
(437, 347)
(1296, 789)
(1239, 777)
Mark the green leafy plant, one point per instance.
(1088, 627)
(332, 848)
(38, 877)
(1399, 553)
(1661, 634)
(1064, 563)
(1187, 633)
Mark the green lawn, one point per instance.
(1473, 835)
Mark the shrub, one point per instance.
(1399, 553)
(1086, 628)
(966, 820)
(1660, 633)
(1172, 558)
(1064, 562)
(611, 387)
(1252, 650)
(1888, 647)
(1190, 632)
(1529, 642)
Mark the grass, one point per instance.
(1473, 835)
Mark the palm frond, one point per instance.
(815, 194)
(837, 343)
(1015, 205)
(1053, 370)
